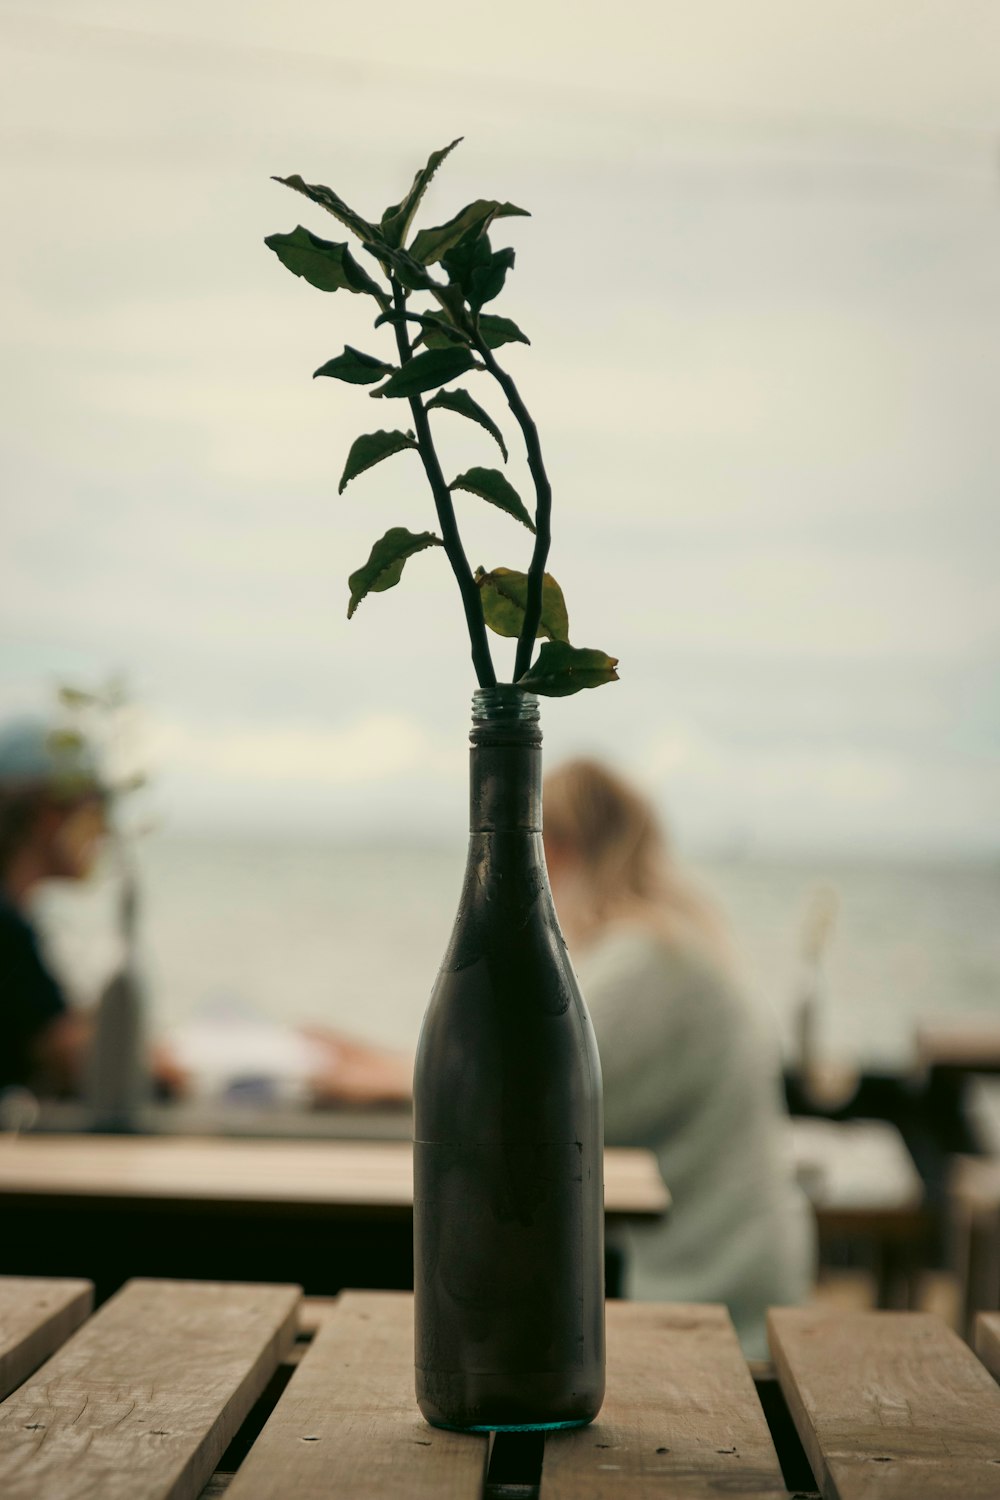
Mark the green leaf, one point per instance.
(384, 567)
(426, 371)
(430, 244)
(369, 450)
(486, 282)
(496, 331)
(445, 334)
(323, 263)
(474, 266)
(463, 403)
(397, 219)
(409, 272)
(453, 302)
(490, 484)
(561, 669)
(355, 367)
(505, 599)
(440, 335)
(328, 199)
(472, 253)
(493, 330)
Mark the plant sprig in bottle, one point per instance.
(441, 334)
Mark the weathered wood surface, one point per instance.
(348, 1425)
(141, 1403)
(681, 1418)
(987, 1344)
(888, 1404)
(36, 1316)
(352, 1177)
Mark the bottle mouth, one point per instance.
(504, 704)
(505, 714)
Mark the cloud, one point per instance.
(376, 747)
(841, 795)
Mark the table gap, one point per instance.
(795, 1467)
(514, 1468)
(258, 1414)
(514, 1471)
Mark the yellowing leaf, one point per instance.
(505, 597)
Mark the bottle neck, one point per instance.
(506, 762)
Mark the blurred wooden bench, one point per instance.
(867, 1194)
(328, 1213)
(179, 1390)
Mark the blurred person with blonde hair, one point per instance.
(690, 1070)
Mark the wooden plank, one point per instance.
(325, 1175)
(348, 1426)
(36, 1316)
(350, 1177)
(888, 1404)
(633, 1184)
(313, 1313)
(219, 1117)
(860, 1165)
(988, 1341)
(969, 1043)
(681, 1416)
(141, 1403)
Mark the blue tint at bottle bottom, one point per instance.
(516, 1426)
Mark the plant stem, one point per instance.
(543, 508)
(472, 603)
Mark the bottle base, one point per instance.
(530, 1401)
(513, 1426)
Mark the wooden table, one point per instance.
(966, 1044)
(326, 1213)
(380, 1122)
(182, 1390)
(974, 1233)
(867, 1194)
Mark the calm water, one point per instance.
(353, 936)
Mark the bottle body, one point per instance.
(508, 1130)
(115, 1080)
(116, 1075)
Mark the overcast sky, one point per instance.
(762, 283)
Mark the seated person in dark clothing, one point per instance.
(51, 826)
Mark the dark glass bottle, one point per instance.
(508, 1126)
(116, 1080)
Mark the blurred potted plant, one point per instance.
(508, 1135)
